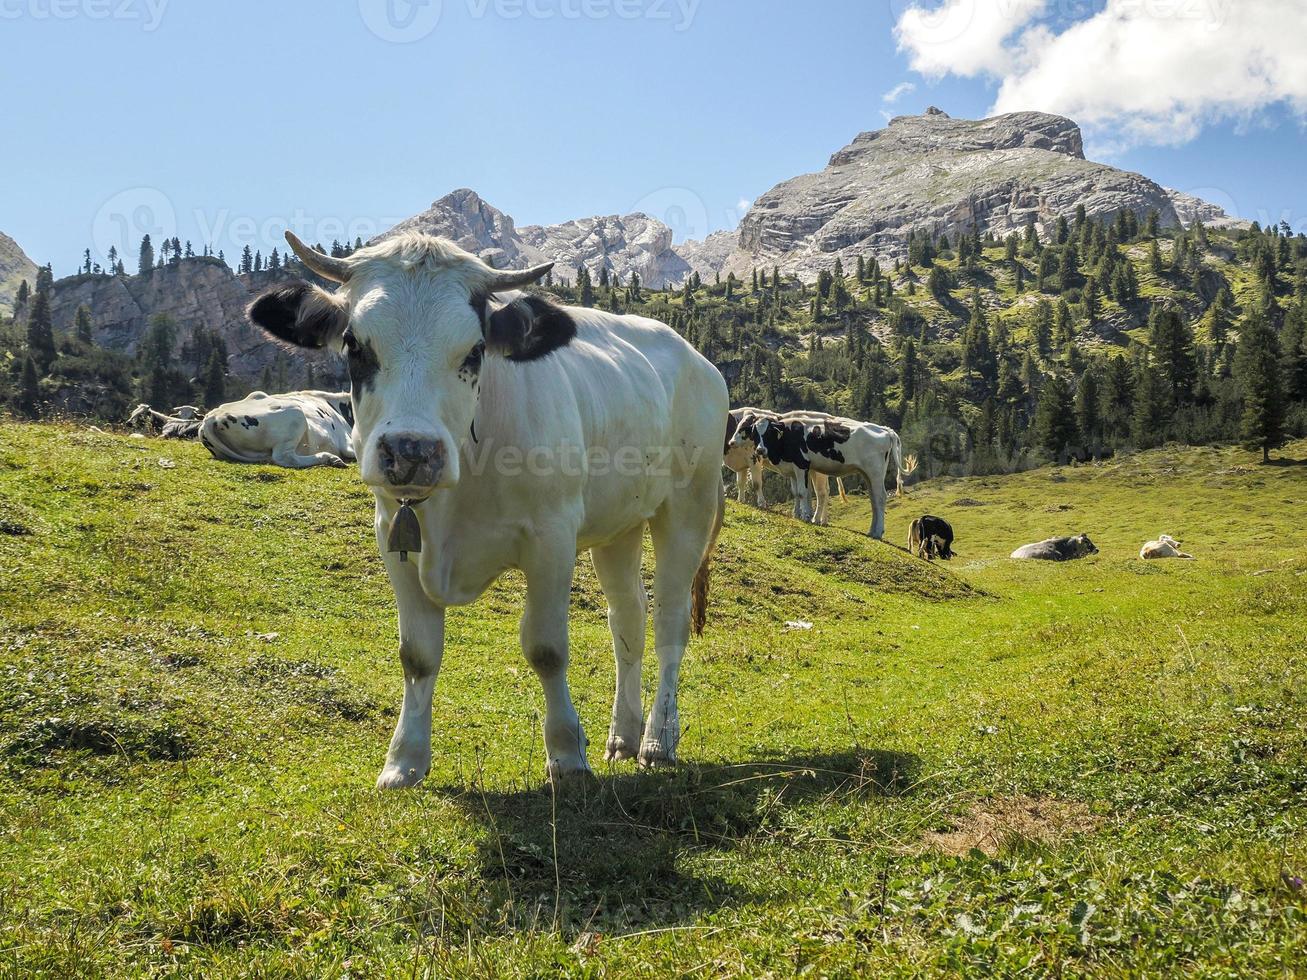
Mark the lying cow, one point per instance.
(804, 444)
(743, 459)
(931, 537)
(298, 429)
(1058, 549)
(1164, 547)
(474, 422)
(183, 423)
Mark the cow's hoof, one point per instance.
(654, 756)
(400, 777)
(571, 777)
(619, 749)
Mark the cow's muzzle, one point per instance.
(411, 461)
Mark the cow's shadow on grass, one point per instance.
(619, 841)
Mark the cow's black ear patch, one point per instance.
(528, 328)
(299, 314)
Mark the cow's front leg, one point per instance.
(421, 645)
(755, 476)
(544, 644)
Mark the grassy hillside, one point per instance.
(987, 767)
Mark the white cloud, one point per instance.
(1150, 71)
(743, 204)
(964, 37)
(897, 92)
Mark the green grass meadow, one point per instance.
(983, 768)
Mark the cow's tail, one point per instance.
(699, 594)
(212, 441)
(839, 483)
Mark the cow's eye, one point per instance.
(472, 362)
(351, 342)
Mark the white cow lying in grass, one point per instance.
(298, 429)
(1164, 547)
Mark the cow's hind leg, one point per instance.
(682, 530)
(879, 497)
(820, 490)
(618, 567)
(549, 569)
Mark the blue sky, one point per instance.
(226, 121)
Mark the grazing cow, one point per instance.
(743, 459)
(1164, 547)
(298, 429)
(931, 537)
(500, 433)
(806, 443)
(1058, 549)
(183, 423)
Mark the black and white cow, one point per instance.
(298, 429)
(183, 423)
(503, 433)
(808, 443)
(747, 463)
(931, 537)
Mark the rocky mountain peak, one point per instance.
(936, 174)
(466, 219)
(624, 244)
(15, 266)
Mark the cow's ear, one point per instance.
(731, 426)
(527, 329)
(300, 314)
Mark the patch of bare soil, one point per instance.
(989, 824)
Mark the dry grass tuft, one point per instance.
(991, 825)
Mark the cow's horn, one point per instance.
(327, 266)
(517, 278)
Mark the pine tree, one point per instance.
(908, 371)
(1088, 419)
(145, 259)
(40, 332)
(1257, 369)
(1172, 345)
(1219, 319)
(1153, 406)
(1063, 328)
(82, 325)
(1055, 419)
(977, 350)
(1293, 340)
(215, 381)
(1068, 269)
(29, 391)
(23, 295)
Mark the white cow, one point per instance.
(1164, 547)
(514, 435)
(743, 459)
(298, 429)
